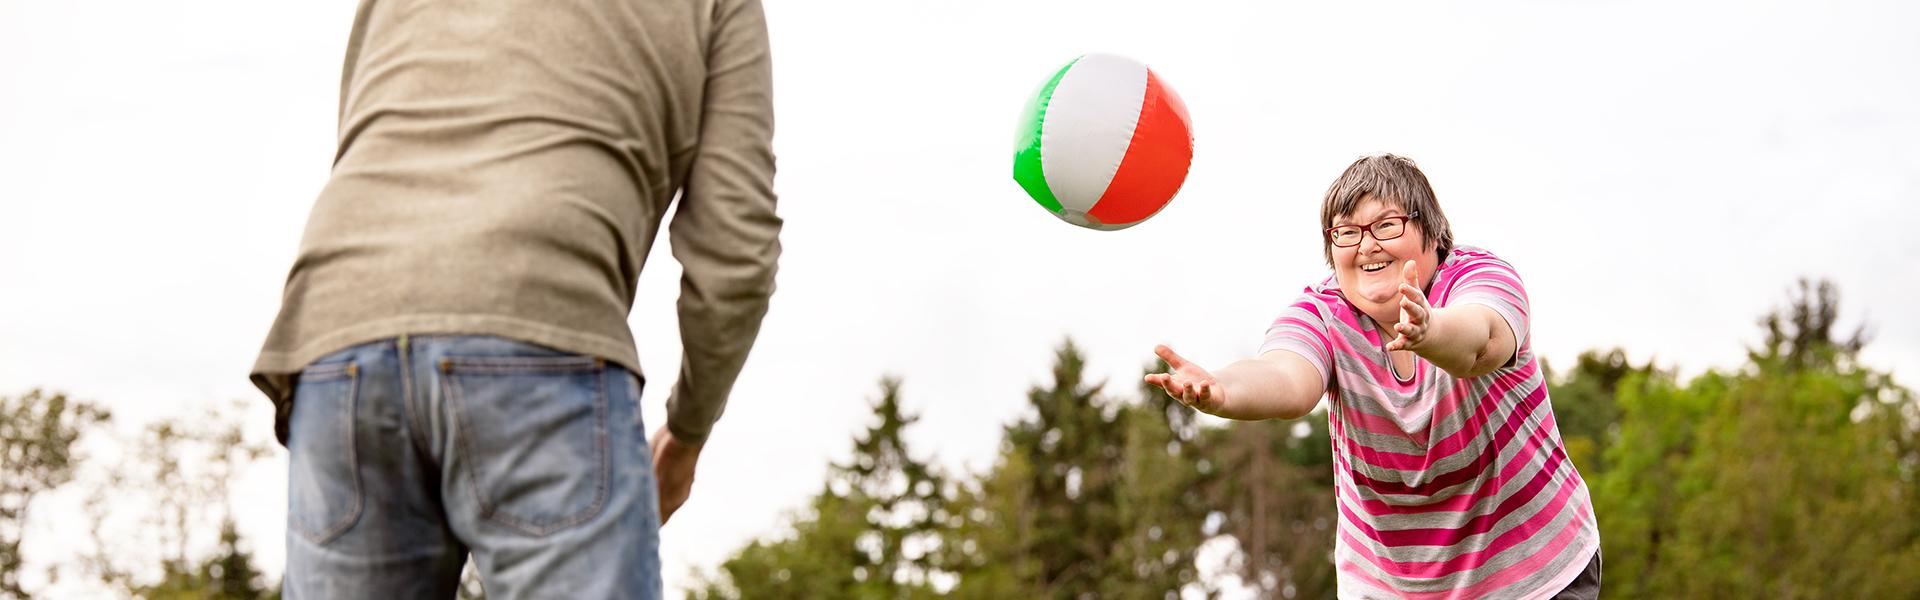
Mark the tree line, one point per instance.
(1792, 475)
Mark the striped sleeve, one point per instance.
(1493, 283)
(1302, 329)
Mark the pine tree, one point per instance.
(874, 530)
(1162, 503)
(1275, 494)
(1089, 498)
(1070, 448)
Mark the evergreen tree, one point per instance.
(1066, 457)
(874, 530)
(1276, 497)
(1089, 498)
(1161, 500)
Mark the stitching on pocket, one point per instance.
(518, 365)
(351, 371)
(330, 370)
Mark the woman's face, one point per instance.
(1369, 273)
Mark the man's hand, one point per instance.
(673, 463)
(1188, 383)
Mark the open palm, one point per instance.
(1187, 382)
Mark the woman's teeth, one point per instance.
(1371, 267)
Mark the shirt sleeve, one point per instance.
(725, 232)
(1302, 329)
(1493, 283)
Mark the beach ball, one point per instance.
(1104, 143)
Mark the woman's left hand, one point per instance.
(1414, 312)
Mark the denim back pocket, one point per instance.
(323, 487)
(532, 437)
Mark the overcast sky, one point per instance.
(1659, 173)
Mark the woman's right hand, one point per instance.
(1188, 383)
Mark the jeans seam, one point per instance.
(600, 450)
(353, 461)
(415, 426)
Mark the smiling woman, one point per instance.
(1448, 467)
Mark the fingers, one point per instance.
(1186, 391)
(1159, 380)
(1409, 335)
(1167, 354)
(1167, 382)
(1412, 309)
(674, 463)
(1410, 283)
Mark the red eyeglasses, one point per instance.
(1383, 229)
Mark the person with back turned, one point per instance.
(451, 364)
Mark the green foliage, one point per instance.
(872, 532)
(181, 471)
(228, 575)
(1070, 447)
(38, 431)
(1793, 478)
(1278, 503)
(1161, 498)
(1584, 405)
(1090, 498)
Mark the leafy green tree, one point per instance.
(38, 432)
(181, 471)
(1785, 479)
(1584, 405)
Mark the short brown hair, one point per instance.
(1396, 181)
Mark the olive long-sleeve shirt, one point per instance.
(504, 165)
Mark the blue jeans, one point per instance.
(409, 453)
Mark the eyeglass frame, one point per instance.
(1366, 230)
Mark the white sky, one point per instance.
(1659, 173)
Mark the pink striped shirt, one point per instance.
(1446, 488)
